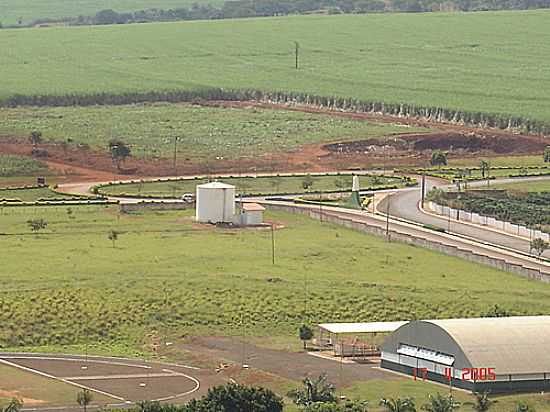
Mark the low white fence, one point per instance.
(463, 216)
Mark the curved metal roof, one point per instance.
(511, 345)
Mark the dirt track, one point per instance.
(77, 164)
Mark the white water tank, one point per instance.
(215, 203)
(355, 184)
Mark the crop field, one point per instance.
(452, 60)
(11, 165)
(255, 185)
(13, 10)
(202, 132)
(167, 274)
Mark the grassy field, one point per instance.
(188, 280)
(490, 62)
(32, 194)
(495, 172)
(500, 161)
(13, 10)
(542, 186)
(202, 131)
(11, 166)
(258, 185)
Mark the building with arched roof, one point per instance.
(508, 354)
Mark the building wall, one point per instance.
(252, 218)
(215, 205)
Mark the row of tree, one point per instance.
(433, 113)
(261, 8)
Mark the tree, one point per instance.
(524, 407)
(306, 333)
(546, 154)
(37, 225)
(539, 246)
(313, 390)
(439, 403)
(84, 398)
(233, 397)
(484, 167)
(482, 403)
(14, 406)
(438, 158)
(119, 152)
(36, 138)
(113, 236)
(307, 183)
(398, 404)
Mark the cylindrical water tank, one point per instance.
(215, 203)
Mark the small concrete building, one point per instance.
(509, 354)
(251, 214)
(215, 203)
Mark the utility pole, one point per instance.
(297, 50)
(388, 217)
(175, 155)
(273, 243)
(320, 206)
(423, 188)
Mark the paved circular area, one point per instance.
(125, 381)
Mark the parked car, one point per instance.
(188, 197)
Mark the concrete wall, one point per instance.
(131, 207)
(419, 241)
(488, 221)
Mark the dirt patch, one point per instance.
(287, 365)
(17, 395)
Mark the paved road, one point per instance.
(405, 204)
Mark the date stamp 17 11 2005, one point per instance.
(475, 374)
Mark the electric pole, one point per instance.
(273, 243)
(297, 50)
(423, 188)
(175, 155)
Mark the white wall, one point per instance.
(215, 205)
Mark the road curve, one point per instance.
(404, 204)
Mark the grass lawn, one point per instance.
(500, 161)
(454, 172)
(13, 10)
(256, 185)
(489, 62)
(203, 132)
(32, 194)
(167, 274)
(542, 186)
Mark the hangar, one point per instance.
(510, 354)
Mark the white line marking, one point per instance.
(136, 376)
(77, 360)
(81, 357)
(47, 375)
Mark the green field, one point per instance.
(13, 10)
(257, 185)
(475, 173)
(500, 161)
(32, 194)
(542, 186)
(488, 62)
(181, 279)
(203, 132)
(11, 165)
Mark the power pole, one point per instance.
(273, 243)
(297, 50)
(175, 155)
(388, 217)
(423, 188)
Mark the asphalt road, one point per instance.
(405, 204)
